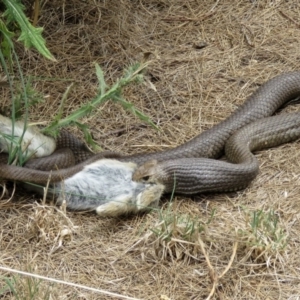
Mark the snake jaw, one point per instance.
(147, 172)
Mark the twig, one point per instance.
(230, 261)
(214, 6)
(46, 189)
(289, 18)
(36, 12)
(212, 273)
(197, 19)
(248, 35)
(4, 191)
(122, 130)
(185, 19)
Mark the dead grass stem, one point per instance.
(207, 57)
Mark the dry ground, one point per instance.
(207, 57)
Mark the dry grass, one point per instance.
(207, 57)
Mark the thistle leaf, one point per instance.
(30, 36)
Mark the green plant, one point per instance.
(176, 235)
(31, 97)
(29, 35)
(24, 95)
(24, 288)
(17, 154)
(176, 226)
(104, 93)
(263, 233)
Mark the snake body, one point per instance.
(187, 168)
(198, 175)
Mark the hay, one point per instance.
(207, 57)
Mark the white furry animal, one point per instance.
(107, 187)
(33, 143)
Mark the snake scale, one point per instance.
(192, 167)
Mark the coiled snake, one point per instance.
(189, 168)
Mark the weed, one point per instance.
(175, 236)
(24, 288)
(263, 234)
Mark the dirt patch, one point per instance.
(206, 58)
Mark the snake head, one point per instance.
(147, 172)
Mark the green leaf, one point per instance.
(6, 43)
(132, 74)
(130, 107)
(100, 76)
(88, 137)
(30, 36)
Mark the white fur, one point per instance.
(33, 143)
(107, 187)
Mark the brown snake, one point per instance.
(189, 167)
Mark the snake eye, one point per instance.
(146, 178)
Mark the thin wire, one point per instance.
(67, 283)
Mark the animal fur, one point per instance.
(33, 143)
(107, 187)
